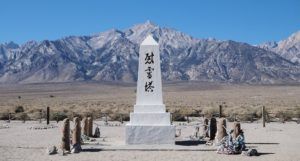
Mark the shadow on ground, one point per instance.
(190, 142)
(264, 143)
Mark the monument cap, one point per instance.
(149, 41)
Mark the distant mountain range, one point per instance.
(113, 56)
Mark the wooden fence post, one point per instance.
(106, 120)
(48, 115)
(41, 116)
(171, 117)
(9, 117)
(263, 116)
(121, 117)
(234, 117)
(220, 111)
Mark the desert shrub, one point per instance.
(108, 111)
(126, 117)
(117, 117)
(79, 115)
(19, 109)
(297, 112)
(246, 113)
(21, 116)
(195, 113)
(178, 115)
(58, 116)
(210, 111)
(34, 115)
(246, 116)
(4, 116)
(284, 115)
(231, 118)
(88, 114)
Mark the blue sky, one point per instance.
(251, 21)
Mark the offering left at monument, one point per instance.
(149, 123)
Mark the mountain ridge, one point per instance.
(113, 56)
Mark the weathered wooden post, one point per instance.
(221, 133)
(48, 115)
(41, 116)
(121, 118)
(24, 117)
(220, 111)
(234, 117)
(65, 144)
(213, 128)
(90, 126)
(263, 116)
(236, 130)
(85, 126)
(106, 120)
(205, 128)
(197, 132)
(171, 117)
(282, 118)
(9, 117)
(76, 135)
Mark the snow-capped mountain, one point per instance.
(288, 48)
(113, 56)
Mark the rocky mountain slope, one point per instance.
(113, 56)
(288, 48)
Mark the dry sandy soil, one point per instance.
(276, 142)
(120, 98)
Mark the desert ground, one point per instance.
(95, 98)
(18, 141)
(275, 142)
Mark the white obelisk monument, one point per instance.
(149, 123)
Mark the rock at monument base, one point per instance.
(51, 150)
(76, 148)
(140, 134)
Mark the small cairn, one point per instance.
(221, 130)
(51, 150)
(205, 128)
(76, 136)
(236, 130)
(90, 127)
(213, 128)
(85, 126)
(65, 144)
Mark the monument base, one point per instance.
(147, 134)
(152, 119)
